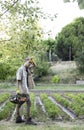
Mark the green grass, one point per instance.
(60, 87)
(45, 126)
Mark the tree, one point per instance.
(70, 40)
(80, 3)
(50, 43)
(22, 23)
(80, 61)
(23, 36)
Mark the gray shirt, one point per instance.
(22, 76)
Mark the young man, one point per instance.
(22, 84)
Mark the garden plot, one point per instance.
(45, 107)
(72, 116)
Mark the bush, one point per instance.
(41, 69)
(80, 62)
(7, 70)
(55, 79)
(4, 70)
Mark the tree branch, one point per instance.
(9, 8)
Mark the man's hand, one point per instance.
(17, 91)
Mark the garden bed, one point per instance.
(48, 106)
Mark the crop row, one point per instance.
(4, 97)
(77, 104)
(7, 110)
(53, 111)
(61, 100)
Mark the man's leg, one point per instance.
(28, 118)
(18, 106)
(18, 117)
(28, 102)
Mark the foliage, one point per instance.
(33, 107)
(41, 69)
(72, 101)
(80, 3)
(80, 62)
(52, 109)
(22, 34)
(3, 97)
(77, 104)
(4, 70)
(50, 48)
(42, 66)
(70, 40)
(50, 43)
(7, 110)
(61, 100)
(55, 79)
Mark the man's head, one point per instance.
(29, 62)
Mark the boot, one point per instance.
(19, 119)
(30, 122)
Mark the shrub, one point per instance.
(80, 62)
(4, 70)
(55, 79)
(41, 69)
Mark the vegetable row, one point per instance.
(75, 104)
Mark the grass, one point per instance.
(57, 87)
(45, 126)
(60, 87)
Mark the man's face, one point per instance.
(29, 64)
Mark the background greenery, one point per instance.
(23, 37)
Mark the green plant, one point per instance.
(55, 79)
(7, 110)
(4, 70)
(33, 107)
(61, 100)
(80, 62)
(52, 110)
(4, 97)
(41, 68)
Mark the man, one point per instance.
(22, 84)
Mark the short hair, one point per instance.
(31, 60)
(28, 58)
